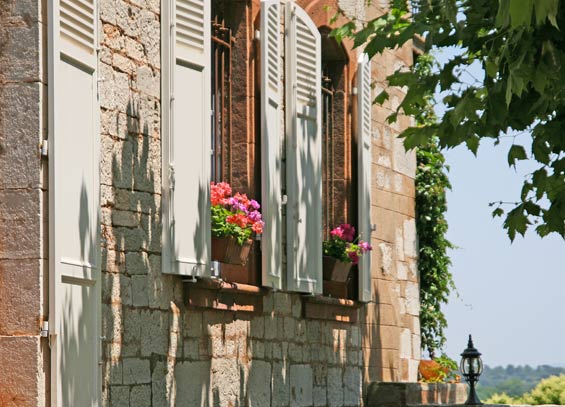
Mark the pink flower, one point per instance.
(354, 257)
(254, 204)
(365, 247)
(348, 232)
(254, 216)
(337, 232)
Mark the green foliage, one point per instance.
(548, 391)
(221, 228)
(513, 381)
(436, 281)
(520, 44)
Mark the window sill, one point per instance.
(222, 295)
(331, 309)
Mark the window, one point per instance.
(221, 67)
(269, 135)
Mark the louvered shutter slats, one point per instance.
(364, 141)
(190, 31)
(271, 97)
(186, 137)
(304, 152)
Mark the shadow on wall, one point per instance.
(140, 318)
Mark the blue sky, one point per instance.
(511, 296)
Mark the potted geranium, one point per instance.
(234, 220)
(341, 251)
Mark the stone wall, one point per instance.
(157, 350)
(23, 354)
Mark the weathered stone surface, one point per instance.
(20, 224)
(193, 384)
(259, 386)
(20, 374)
(20, 134)
(136, 371)
(301, 385)
(21, 291)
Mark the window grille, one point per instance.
(221, 101)
(328, 153)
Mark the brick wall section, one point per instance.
(23, 355)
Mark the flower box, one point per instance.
(227, 250)
(335, 270)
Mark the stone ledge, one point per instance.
(222, 295)
(396, 394)
(331, 309)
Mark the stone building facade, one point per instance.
(164, 339)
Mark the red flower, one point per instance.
(238, 219)
(258, 226)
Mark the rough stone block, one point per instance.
(352, 386)
(335, 387)
(136, 371)
(20, 135)
(140, 396)
(21, 48)
(20, 224)
(259, 386)
(280, 384)
(20, 372)
(20, 297)
(193, 384)
(119, 396)
(226, 381)
(301, 385)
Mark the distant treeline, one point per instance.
(513, 380)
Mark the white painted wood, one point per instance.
(304, 152)
(364, 160)
(74, 204)
(186, 136)
(271, 143)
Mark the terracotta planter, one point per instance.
(431, 371)
(227, 250)
(335, 270)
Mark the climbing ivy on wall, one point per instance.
(436, 281)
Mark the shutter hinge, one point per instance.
(258, 35)
(44, 148)
(354, 90)
(284, 199)
(44, 332)
(172, 177)
(373, 227)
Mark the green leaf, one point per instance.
(491, 68)
(516, 222)
(546, 9)
(516, 153)
(503, 15)
(521, 12)
(497, 212)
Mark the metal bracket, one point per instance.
(44, 148)
(44, 332)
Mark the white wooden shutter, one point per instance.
(364, 159)
(304, 152)
(74, 203)
(186, 136)
(271, 98)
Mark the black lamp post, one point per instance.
(471, 368)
